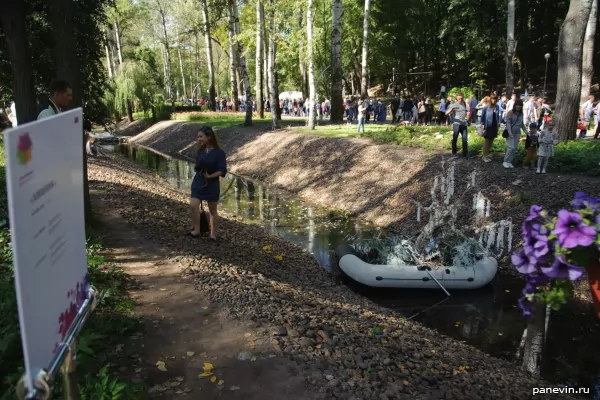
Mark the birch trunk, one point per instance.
(303, 74)
(312, 115)
(510, 48)
(209, 58)
(365, 52)
(168, 75)
(570, 49)
(235, 98)
(588, 51)
(259, 60)
(118, 42)
(184, 89)
(197, 70)
(108, 65)
(271, 67)
(337, 110)
(240, 51)
(267, 88)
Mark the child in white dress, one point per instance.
(548, 139)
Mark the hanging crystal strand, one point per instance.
(500, 240)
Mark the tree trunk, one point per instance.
(118, 42)
(129, 111)
(168, 75)
(303, 74)
(337, 106)
(510, 48)
(63, 21)
(271, 66)
(365, 52)
(267, 88)
(259, 60)
(233, 64)
(184, 88)
(209, 58)
(165, 73)
(240, 51)
(588, 51)
(312, 115)
(196, 91)
(534, 340)
(13, 22)
(570, 49)
(108, 66)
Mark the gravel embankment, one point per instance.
(348, 347)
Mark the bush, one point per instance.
(162, 112)
(466, 91)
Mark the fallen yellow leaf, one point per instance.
(405, 382)
(221, 382)
(252, 345)
(213, 378)
(161, 366)
(247, 334)
(208, 367)
(205, 375)
(190, 353)
(279, 257)
(267, 248)
(137, 370)
(461, 368)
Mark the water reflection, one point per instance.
(486, 318)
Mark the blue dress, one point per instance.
(210, 161)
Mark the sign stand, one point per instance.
(64, 361)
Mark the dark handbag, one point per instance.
(505, 133)
(204, 225)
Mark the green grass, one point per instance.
(220, 120)
(110, 322)
(578, 156)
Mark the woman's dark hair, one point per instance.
(518, 102)
(212, 138)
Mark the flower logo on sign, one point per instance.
(77, 297)
(24, 149)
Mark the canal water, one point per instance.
(487, 318)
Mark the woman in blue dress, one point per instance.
(211, 164)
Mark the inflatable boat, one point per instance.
(416, 277)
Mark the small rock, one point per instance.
(387, 361)
(244, 356)
(310, 334)
(293, 333)
(334, 383)
(323, 334)
(306, 342)
(279, 331)
(234, 388)
(329, 377)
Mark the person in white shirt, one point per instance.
(597, 120)
(511, 102)
(13, 114)
(61, 95)
(530, 112)
(585, 113)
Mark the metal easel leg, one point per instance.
(69, 374)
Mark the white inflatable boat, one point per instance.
(416, 277)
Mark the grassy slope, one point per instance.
(106, 327)
(580, 156)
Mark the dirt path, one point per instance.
(182, 329)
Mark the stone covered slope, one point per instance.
(347, 347)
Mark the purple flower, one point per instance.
(526, 306)
(562, 269)
(536, 245)
(523, 263)
(582, 201)
(572, 231)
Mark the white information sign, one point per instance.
(44, 175)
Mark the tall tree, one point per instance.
(259, 59)
(108, 65)
(209, 57)
(16, 34)
(232, 62)
(588, 51)
(570, 49)
(118, 42)
(365, 52)
(271, 66)
(267, 90)
(184, 89)
(167, 56)
(302, 63)
(312, 115)
(510, 48)
(337, 72)
(240, 52)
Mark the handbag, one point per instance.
(480, 130)
(204, 225)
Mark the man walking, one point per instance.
(61, 95)
(511, 102)
(586, 111)
(461, 115)
(395, 105)
(473, 106)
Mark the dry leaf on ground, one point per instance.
(161, 366)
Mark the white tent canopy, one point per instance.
(290, 95)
